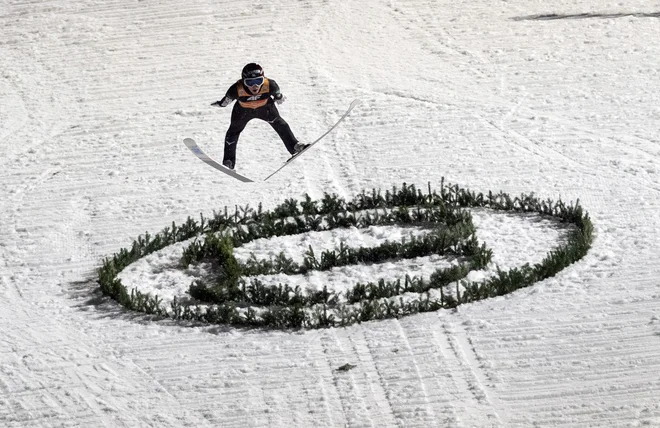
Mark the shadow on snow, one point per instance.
(553, 16)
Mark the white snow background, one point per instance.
(96, 97)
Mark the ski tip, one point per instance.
(188, 140)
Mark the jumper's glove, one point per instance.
(280, 99)
(224, 102)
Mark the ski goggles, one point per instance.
(256, 81)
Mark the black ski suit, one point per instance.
(254, 106)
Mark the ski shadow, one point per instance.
(555, 16)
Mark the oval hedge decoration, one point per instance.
(236, 297)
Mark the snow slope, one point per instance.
(95, 98)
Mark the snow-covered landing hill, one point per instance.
(95, 98)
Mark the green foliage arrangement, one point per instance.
(233, 299)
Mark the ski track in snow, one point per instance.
(95, 98)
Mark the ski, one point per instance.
(192, 145)
(297, 155)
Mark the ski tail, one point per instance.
(192, 145)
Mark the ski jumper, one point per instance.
(255, 106)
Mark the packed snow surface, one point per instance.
(559, 98)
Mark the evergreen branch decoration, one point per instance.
(237, 298)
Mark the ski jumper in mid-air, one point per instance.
(256, 97)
